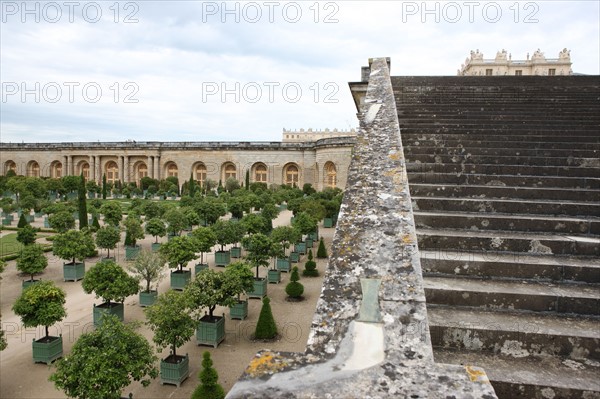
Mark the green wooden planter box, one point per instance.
(115, 308)
(328, 222)
(239, 310)
(28, 283)
(284, 265)
(292, 219)
(73, 272)
(38, 214)
(314, 235)
(29, 218)
(155, 246)
(132, 252)
(236, 252)
(47, 349)
(294, 257)
(174, 373)
(148, 298)
(309, 242)
(199, 267)
(300, 247)
(10, 217)
(222, 258)
(282, 207)
(75, 215)
(6, 221)
(211, 332)
(46, 223)
(260, 289)
(180, 278)
(170, 236)
(107, 259)
(91, 195)
(274, 276)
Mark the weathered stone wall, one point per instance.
(370, 335)
(156, 157)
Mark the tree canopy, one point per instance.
(108, 280)
(41, 304)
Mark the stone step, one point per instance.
(514, 334)
(509, 134)
(470, 159)
(491, 169)
(534, 296)
(508, 222)
(523, 152)
(526, 122)
(491, 191)
(496, 241)
(506, 180)
(491, 205)
(469, 143)
(530, 138)
(539, 378)
(515, 266)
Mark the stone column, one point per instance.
(70, 165)
(157, 167)
(64, 165)
(150, 166)
(92, 162)
(126, 171)
(121, 167)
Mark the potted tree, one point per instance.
(225, 233)
(284, 235)
(112, 213)
(156, 228)
(107, 238)
(258, 247)
(179, 252)
(209, 289)
(43, 305)
(105, 361)
(305, 224)
(133, 232)
(148, 267)
(61, 221)
(240, 280)
(73, 245)
(173, 326)
(108, 280)
(176, 222)
(205, 238)
(275, 252)
(26, 235)
(31, 261)
(237, 232)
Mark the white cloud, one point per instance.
(176, 50)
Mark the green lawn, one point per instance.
(9, 244)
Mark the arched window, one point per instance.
(330, 175)
(229, 171)
(140, 170)
(260, 173)
(200, 173)
(172, 170)
(291, 175)
(112, 172)
(84, 167)
(56, 169)
(33, 169)
(10, 165)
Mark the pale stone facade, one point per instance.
(322, 163)
(503, 64)
(300, 136)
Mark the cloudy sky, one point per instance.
(243, 71)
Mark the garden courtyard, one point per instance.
(21, 378)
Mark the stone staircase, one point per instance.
(504, 175)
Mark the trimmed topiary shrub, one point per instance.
(294, 289)
(310, 267)
(22, 222)
(209, 387)
(265, 327)
(322, 251)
